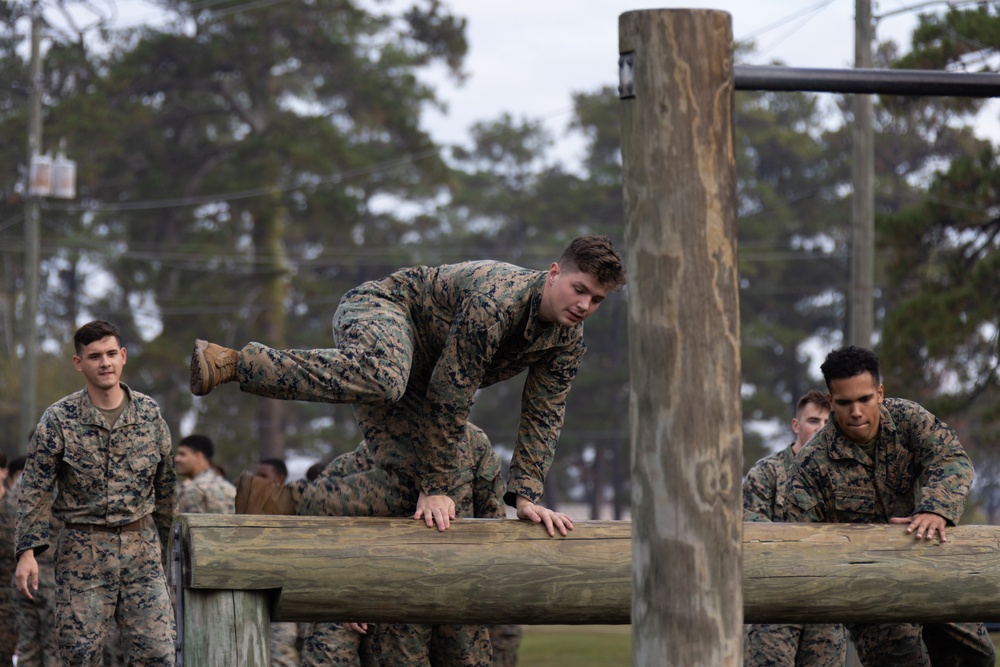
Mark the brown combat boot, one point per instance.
(211, 365)
(256, 495)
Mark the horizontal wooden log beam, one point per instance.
(397, 570)
(494, 571)
(795, 573)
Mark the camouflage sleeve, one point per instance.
(946, 471)
(38, 483)
(164, 484)
(475, 335)
(543, 406)
(804, 500)
(192, 500)
(759, 489)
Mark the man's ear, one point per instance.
(554, 270)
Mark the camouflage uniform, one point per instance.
(413, 350)
(777, 645)
(919, 466)
(207, 493)
(404, 644)
(107, 478)
(36, 623)
(8, 617)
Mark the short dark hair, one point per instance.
(848, 362)
(815, 397)
(278, 465)
(92, 332)
(595, 256)
(16, 465)
(199, 443)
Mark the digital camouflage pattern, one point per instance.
(763, 497)
(405, 644)
(810, 645)
(109, 477)
(8, 615)
(207, 493)
(414, 348)
(283, 651)
(334, 645)
(774, 645)
(36, 618)
(104, 577)
(920, 466)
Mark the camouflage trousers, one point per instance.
(283, 639)
(813, 645)
(373, 367)
(8, 624)
(351, 485)
(36, 623)
(931, 645)
(398, 645)
(106, 577)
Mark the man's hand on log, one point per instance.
(529, 511)
(438, 510)
(360, 628)
(924, 524)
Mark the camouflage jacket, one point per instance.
(104, 476)
(476, 324)
(207, 493)
(763, 497)
(919, 466)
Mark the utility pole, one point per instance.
(32, 252)
(861, 322)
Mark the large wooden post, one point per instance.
(684, 340)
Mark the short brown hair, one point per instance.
(815, 397)
(91, 332)
(595, 256)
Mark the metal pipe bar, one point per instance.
(867, 81)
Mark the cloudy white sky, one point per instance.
(527, 57)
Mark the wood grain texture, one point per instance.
(479, 571)
(684, 341)
(226, 628)
(796, 573)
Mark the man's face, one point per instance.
(268, 472)
(101, 363)
(856, 403)
(570, 297)
(811, 419)
(186, 461)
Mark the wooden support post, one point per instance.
(684, 339)
(226, 627)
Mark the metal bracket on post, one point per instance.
(626, 76)
(178, 568)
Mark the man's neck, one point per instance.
(106, 399)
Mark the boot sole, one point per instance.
(201, 372)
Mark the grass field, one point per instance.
(576, 646)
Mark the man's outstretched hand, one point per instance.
(438, 510)
(924, 524)
(553, 521)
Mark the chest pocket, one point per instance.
(856, 506)
(144, 459)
